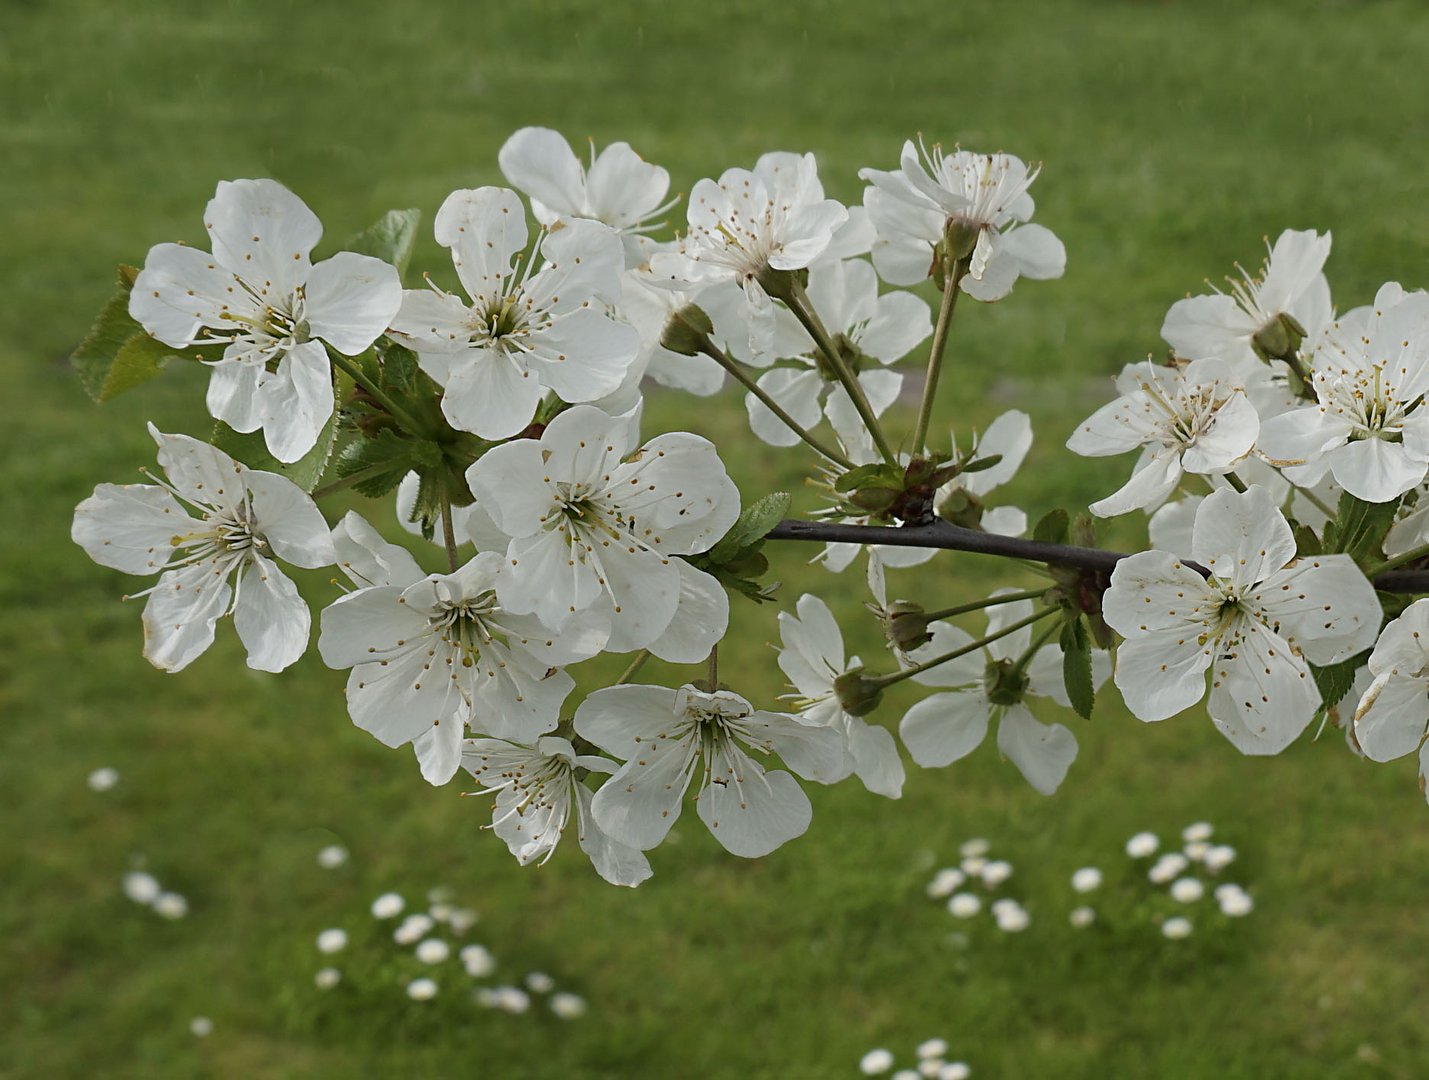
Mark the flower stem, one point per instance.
(1315, 501)
(376, 393)
(951, 288)
(449, 534)
(1037, 643)
(978, 605)
(1235, 481)
(732, 366)
(1403, 559)
(635, 666)
(882, 681)
(804, 311)
(714, 668)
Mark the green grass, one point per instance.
(1175, 136)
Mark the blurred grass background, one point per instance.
(1175, 136)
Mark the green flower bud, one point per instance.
(907, 625)
(1278, 340)
(687, 330)
(857, 694)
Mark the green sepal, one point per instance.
(1077, 668)
(1053, 528)
(753, 526)
(390, 238)
(979, 464)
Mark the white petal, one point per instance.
(490, 394)
(264, 233)
(129, 527)
(622, 719)
(180, 615)
(751, 813)
(944, 728)
(1042, 752)
(200, 473)
(1203, 326)
(796, 391)
(623, 188)
(583, 355)
(1155, 476)
(1009, 436)
(366, 626)
(900, 324)
(233, 394)
(617, 863)
(700, 620)
(541, 163)
(289, 520)
(1161, 673)
(1375, 470)
(1325, 606)
(484, 228)
(351, 299)
(1039, 254)
(1391, 716)
(180, 291)
(1242, 536)
(297, 401)
(814, 751)
(638, 805)
(271, 619)
(367, 559)
(875, 758)
(1264, 698)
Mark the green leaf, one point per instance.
(384, 459)
(865, 475)
(250, 449)
(117, 355)
(1077, 668)
(391, 238)
(1335, 680)
(753, 525)
(400, 371)
(1052, 528)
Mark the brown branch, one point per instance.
(942, 535)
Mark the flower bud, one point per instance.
(907, 625)
(1006, 682)
(961, 507)
(858, 695)
(1280, 339)
(961, 237)
(686, 330)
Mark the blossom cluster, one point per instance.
(501, 405)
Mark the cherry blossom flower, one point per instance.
(1256, 623)
(1390, 719)
(1086, 879)
(1142, 845)
(1176, 928)
(1193, 418)
(525, 330)
(261, 298)
(990, 684)
(812, 657)
(964, 905)
(595, 523)
(620, 189)
(218, 563)
(431, 653)
(568, 1006)
(333, 940)
(536, 790)
(981, 196)
(1370, 428)
(387, 906)
(1250, 322)
(326, 978)
(747, 223)
(666, 736)
(871, 332)
(422, 989)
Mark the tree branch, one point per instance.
(942, 535)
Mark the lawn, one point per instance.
(1174, 135)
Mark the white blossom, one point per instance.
(1087, 879)
(870, 332)
(945, 882)
(620, 189)
(932, 1048)
(141, 887)
(261, 298)
(538, 982)
(595, 521)
(975, 848)
(201, 1027)
(422, 989)
(1142, 845)
(102, 779)
(667, 736)
(1193, 418)
(1219, 857)
(413, 928)
(332, 856)
(431, 653)
(1012, 918)
(996, 872)
(812, 657)
(964, 905)
(1370, 426)
(477, 960)
(934, 195)
(1390, 719)
(507, 999)
(948, 726)
(387, 906)
(568, 1006)
(1187, 890)
(1256, 623)
(746, 223)
(1167, 868)
(1082, 917)
(333, 940)
(524, 331)
(1200, 830)
(537, 791)
(1238, 327)
(171, 905)
(1234, 901)
(875, 1062)
(1176, 928)
(326, 978)
(433, 951)
(218, 563)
